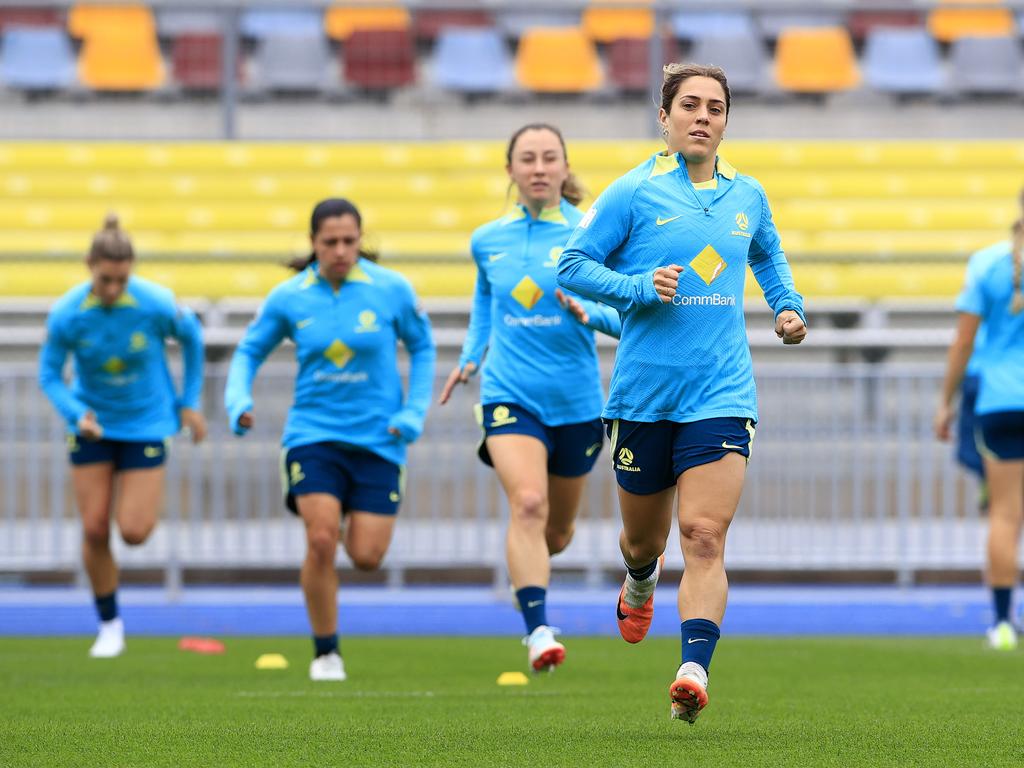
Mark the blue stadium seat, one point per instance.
(472, 60)
(37, 59)
(171, 23)
(694, 25)
(261, 23)
(903, 60)
(741, 55)
(988, 65)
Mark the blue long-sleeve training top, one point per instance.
(537, 354)
(989, 294)
(348, 389)
(120, 364)
(689, 359)
(977, 265)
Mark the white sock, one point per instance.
(638, 592)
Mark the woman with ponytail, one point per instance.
(994, 297)
(345, 438)
(541, 392)
(121, 408)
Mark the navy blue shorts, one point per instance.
(967, 443)
(123, 454)
(1002, 434)
(362, 481)
(572, 448)
(648, 457)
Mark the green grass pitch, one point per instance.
(435, 702)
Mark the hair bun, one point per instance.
(111, 221)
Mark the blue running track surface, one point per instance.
(456, 611)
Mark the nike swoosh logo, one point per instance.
(591, 449)
(303, 323)
(534, 603)
(731, 447)
(496, 256)
(619, 613)
(660, 221)
(696, 640)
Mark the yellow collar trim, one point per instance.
(92, 300)
(664, 163)
(711, 183)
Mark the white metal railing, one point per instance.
(845, 475)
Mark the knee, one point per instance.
(367, 559)
(97, 533)
(703, 540)
(134, 535)
(321, 544)
(558, 540)
(529, 506)
(643, 552)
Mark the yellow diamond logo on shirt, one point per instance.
(339, 354)
(114, 365)
(527, 292)
(708, 264)
(138, 341)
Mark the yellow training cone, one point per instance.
(271, 661)
(512, 678)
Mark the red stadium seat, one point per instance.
(860, 23)
(428, 24)
(196, 60)
(629, 66)
(379, 59)
(29, 17)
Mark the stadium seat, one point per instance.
(742, 56)
(380, 59)
(86, 20)
(472, 61)
(608, 20)
(196, 61)
(515, 24)
(557, 60)
(171, 23)
(861, 23)
(949, 24)
(903, 61)
(693, 25)
(121, 59)
(428, 24)
(259, 23)
(815, 60)
(772, 24)
(292, 62)
(629, 65)
(29, 17)
(341, 21)
(987, 65)
(36, 58)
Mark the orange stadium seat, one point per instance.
(605, 21)
(121, 60)
(84, 20)
(557, 60)
(341, 21)
(949, 24)
(816, 60)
